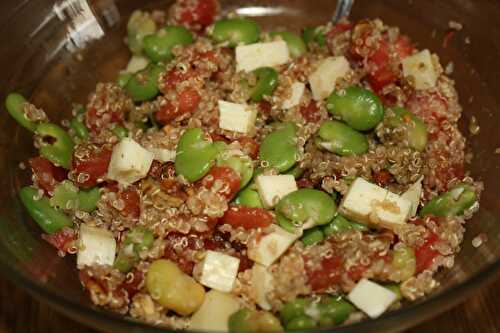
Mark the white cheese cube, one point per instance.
(371, 298)
(253, 56)
(236, 117)
(421, 67)
(136, 64)
(218, 271)
(297, 90)
(262, 283)
(95, 246)
(413, 195)
(324, 79)
(214, 313)
(369, 203)
(163, 155)
(272, 188)
(129, 162)
(270, 247)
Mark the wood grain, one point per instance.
(20, 313)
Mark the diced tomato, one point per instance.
(311, 112)
(330, 273)
(197, 14)
(132, 201)
(47, 175)
(62, 240)
(265, 108)
(227, 180)
(425, 254)
(381, 68)
(249, 146)
(131, 285)
(305, 183)
(430, 107)
(382, 177)
(88, 170)
(338, 29)
(218, 137)
(403, 47)
(247, 217)
(97, 121)
(188, 100)
(171, 79)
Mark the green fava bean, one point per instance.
(139, 25)
(358, 107)
(88, 199)
(249, 198)
(341, 224)
(452, 203)
(68, 196)
(143, 85)
(395, 288)
(123, 79)
(79, 128)
(267, 81)
(340, 139)
(334, 311)
(120, 132)
(307, 206)
(296, 172)
(138, 239)
(235, 31)
(251, 321)
(312, 236)
(15, 106)
(295, 43)
(293, 309)
(56, 145)
(241, 164)
(416, 130)
(314, 35)
(301, 323)
(279, 149)
(195, 155)
(47, 217)
(404, 262)
(158, 47)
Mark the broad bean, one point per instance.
(307, 206)
(251, 321)
(312, 236)
(79, 128)
(241, 164)
(15, 104)
(249, 198)
(334, 310)
(138, 239)
(235, 31)
(341, 224)
(314, 35)
(295, 43)
(56, 144)
(415, 128)
(267, 81)
(279, 149)
(452, 203)
(143, 85)
(68, 197)
(158, 47)
(338, 138)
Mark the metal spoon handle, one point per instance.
(343, 10)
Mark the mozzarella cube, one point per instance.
(297, 90)
(262, 283)
(214, 313)
(272, 188)
(371, 298)
(253, 56)
(369, 203)
(236, 117)
(324, 79)
(163, 155)
(421, 68)
(129, 162)
(218, 271)
(136, 64)
(95, 246)
(270, 247)
(413, 195)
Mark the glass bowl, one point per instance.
(56, 51)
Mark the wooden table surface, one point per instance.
(20, 313)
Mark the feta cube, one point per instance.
(368, 203)
(262, 283)
(324, 79)
(270, 247)
(421, 68)
(371, 298)
(95, 246)
(214, 313)
(163, 155)
(129, 162)
(413, 195)
(236, 117)
(253, 56)
(272, 188)
(297, 90)
(218, 271)
(136, 64)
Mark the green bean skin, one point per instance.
(312, 236)
(47, 217)
(267, 81)
(251, 321)
(138, 239)
(279, 149)
(79, 128)
(158, 47)
(341, 224)
(307, 205)
(295, 43)
(120, 132)
(452, 203)
(301, 323)
(14, 104)
(143, 86)
(334, 311)
(195, 156)
(296, 172)
(249, 198)
(293, 309)
(314, 35)
(236, 31)
(60, 151)
(68, 197)
(358, 107)
(340, 139)
(123, 79)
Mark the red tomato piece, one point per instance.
(89, 170)
(425, 254)
(247, 217)
(338, 29)
(132, 283)
(227, 180)
(382, 177)
(311, 112)
(403, 47)
(98, 121)
(62, 240)
(47, 175)
(265, 108)
(305, 183)
(330, 273)
(132, 201)
(249, 146)
(197, 14)
(188, 100)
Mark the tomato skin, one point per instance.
(198, 14)
(330, 273)
(265, 108)
(132, 201)
(382, 177)
(230, 179)
(61, 240)
(424, 254)
(311, 112)
(96, 166)
(47, 175)
(188, 100)
(247, 217)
